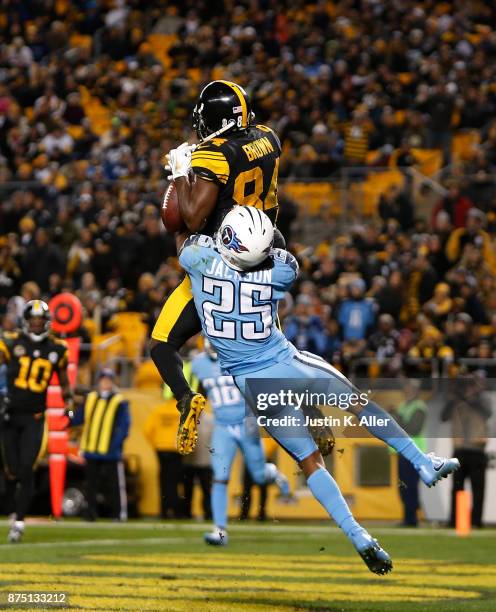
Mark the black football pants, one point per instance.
(22, 436)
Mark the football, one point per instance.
(170, 213)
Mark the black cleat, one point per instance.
(376, 559)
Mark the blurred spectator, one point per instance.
(474, 234)
(84, 128)
(384, 345)
(468, 408)
(160, 430)
(440, 305)
(460, 336)
(356, 314)
(455, 205)
(395, 204)
(390, 297)
(410, 415)
(440, 106)
(197, 467)
(357, 134)
(42, 259)
(305, 329)
(106, 420)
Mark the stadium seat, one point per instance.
(430, 160)
(98, 115)
(130, 327)
(465, 144)
(106, 347)
(160, 44)
(147, 376)
(311, 196)
(371, 190)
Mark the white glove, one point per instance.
(179, 160)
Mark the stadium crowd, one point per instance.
(335, 80)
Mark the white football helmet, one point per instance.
(245, 237)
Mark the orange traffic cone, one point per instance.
(57, 465)
(463, 513)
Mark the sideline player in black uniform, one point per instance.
(236, 163)
(32, 355)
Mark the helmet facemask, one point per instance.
(198, 123)
(36, 312)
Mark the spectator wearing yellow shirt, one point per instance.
(357, 133)
(160, 430)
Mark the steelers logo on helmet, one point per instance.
(231, 240)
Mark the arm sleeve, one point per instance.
(64, 360)
(285, 269)
(78, 418)
(209, 163)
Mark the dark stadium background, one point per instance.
(387, 179)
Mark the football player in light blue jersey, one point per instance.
(231, 431)
(237, 282)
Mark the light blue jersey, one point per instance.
(224, 397)
(238, 310)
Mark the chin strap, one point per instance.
(38, 337)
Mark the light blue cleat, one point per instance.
(375, 557)
(283, 486)
(436, 468)
(217, 537)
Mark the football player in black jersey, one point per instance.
(31, 354)
(235, 163)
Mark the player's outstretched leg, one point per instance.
(177, 322)
(430, 467)
(298, 442)
(382, 425)
(326, 491)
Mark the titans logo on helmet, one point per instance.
(231, 241)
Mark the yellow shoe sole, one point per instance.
(187, 435)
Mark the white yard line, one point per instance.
(107, 542)
(270, 527)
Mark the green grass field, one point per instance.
(272, 566)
